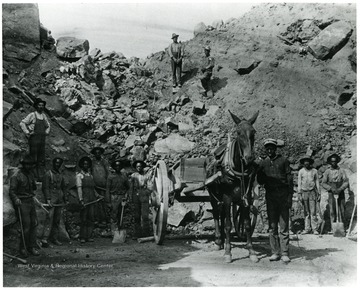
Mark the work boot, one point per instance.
(315, 232)
(44, 243)
(274, 257)
(305, 232)
(24, 253)
(285, 259)
(57, 243)
(34, 252)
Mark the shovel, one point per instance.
(120, 234)
(338, 226)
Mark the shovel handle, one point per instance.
(338, 219)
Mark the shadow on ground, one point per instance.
(103, 264)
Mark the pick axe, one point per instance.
(16, 258)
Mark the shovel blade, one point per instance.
(338, 230)
(119, 237)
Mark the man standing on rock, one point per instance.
(275, 174)
(309, 194)
(176, 52)
(22, 187)
(335, 181)
(53, 187)
(36, 126)
(100, 172)
(206, 69)
(117, 190)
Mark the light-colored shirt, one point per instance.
(28, 123)
(335, 176)
(175, 50)
(308, 179)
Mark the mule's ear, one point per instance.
(236, 119)
(253, 118)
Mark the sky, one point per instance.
(135, 29)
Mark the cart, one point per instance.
(186, 182)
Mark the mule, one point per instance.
(235, 160)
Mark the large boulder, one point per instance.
(329, 41)
(72, 47)
(20, 31)
(174, 143)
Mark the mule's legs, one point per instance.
(227, 210)
(247, 225)
(216, 215)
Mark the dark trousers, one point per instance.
(176, 72)
(101, 213)
(52, 223)
(278, 214)
(29, 223)
(37, 152)
(116, 208)
(141, 212)
(87, 217)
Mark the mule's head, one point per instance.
(245, 136)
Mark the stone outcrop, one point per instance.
(20, 32)
(71, 47)
(330, 40)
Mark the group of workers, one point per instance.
(103, 190)
(276, 177)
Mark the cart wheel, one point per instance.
(238, 220)
(162, 186)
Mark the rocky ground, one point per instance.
(270, 59)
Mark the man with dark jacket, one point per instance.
(53, 187)
(22, 187)
(207, 70)
(275, 174)
(117, 190)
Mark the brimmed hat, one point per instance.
(102, 150)
(137, 161)
(113, 164)
(306, 157)
(207, 48)
(83, 159)
(332, 156)
(38, 101)
(27, 159)
(174, 35)
(270, 141)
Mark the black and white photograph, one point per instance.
(179, 144)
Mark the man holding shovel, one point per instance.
(117, 192)
(335, 181)
(309, 194)
(87, 196)
(22, 187)
(53, 187)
